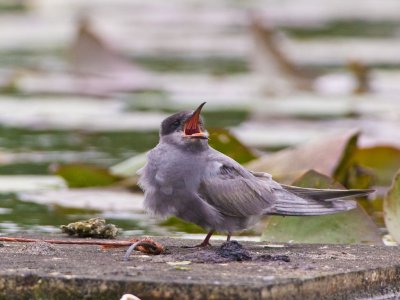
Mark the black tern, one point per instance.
(187, 178)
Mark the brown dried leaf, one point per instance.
(330, 156)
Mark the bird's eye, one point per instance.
(176, 123)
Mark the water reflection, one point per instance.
(17, 216)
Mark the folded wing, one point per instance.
(235, 191)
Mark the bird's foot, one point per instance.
(201, 245)
(204, 243)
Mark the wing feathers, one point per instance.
(235, 191)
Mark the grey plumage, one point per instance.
(187, 178)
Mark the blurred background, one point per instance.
(307, 92)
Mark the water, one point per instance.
(23, 216)
(207, 58)
(33, 152)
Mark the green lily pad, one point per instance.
(372, 166)
(128, 170)
(374, 208)
(351, 227)
(225, 142)
(358, 177)
(129, 167)
(383, 161)
(391, 207)
(84, 175)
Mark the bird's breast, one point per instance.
(180, 172)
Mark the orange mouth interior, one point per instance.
(192, 126)
(193, 131)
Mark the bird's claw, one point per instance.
(201, 245)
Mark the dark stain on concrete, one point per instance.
(234, 251)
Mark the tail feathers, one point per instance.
(325, 194)
(296, 201)
(288, 208)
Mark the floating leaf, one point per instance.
(89, 49)
(374, 208)
(84, 175)
(358, 177)
(331, 156)
(272, 61)
(351, 227)
(391, 208)
(384, 161)
(313, 179)
(373, 166)
(96, 69)
(129, 167)
(223, 141)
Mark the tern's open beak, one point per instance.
(192, 126)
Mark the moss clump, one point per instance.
(95, 227)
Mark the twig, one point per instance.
(146, 245)
(71, 242)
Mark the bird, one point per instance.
(185, 177)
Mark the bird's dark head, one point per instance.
(184, 128)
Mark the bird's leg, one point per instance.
(204, 243)
(228, 237)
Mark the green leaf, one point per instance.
(351, 227)
(391, 208)
(84, 175)
(129, 167)
(383, 161)
(223, 141)
(374, 208)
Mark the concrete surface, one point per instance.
(48, 271)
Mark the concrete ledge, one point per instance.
(44, 271)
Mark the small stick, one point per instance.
(71, 242)
(145, 245)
